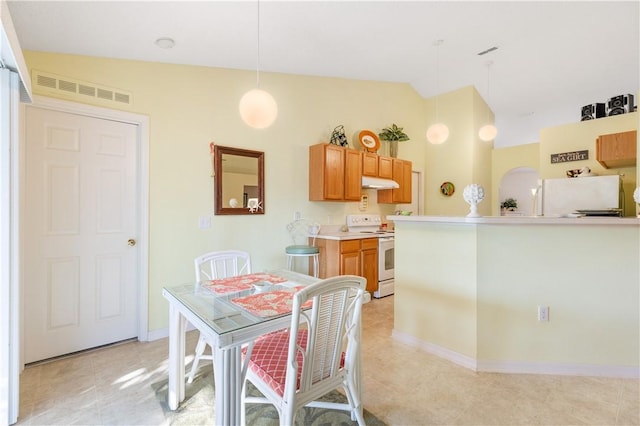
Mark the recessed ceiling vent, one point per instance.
(81, 91)
(489, 50)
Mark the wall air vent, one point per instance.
(81, 91)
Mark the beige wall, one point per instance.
(188, 107)
(463, 159)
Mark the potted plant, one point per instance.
(393, 135)
(510, 204)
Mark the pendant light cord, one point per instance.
(258, 49)
(489, 63)
(437, 43)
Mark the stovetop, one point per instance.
(367, 224)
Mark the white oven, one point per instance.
(385, 267)
(370, 224)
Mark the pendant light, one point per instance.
(439, 132)
(488, 132)
(258, 109)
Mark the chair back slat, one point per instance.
(331, 325)
(222, 264)
(301, 230)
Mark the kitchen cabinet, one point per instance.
(617, 149)
(370, 164)
(350, 257)
(402, 175)
(352, 175)
(369, 262)
(335, 173)
(385, 167)
(375, 165)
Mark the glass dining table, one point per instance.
(223, 312)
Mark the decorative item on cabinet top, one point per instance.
(338, 137)
(369, 141)
(393, 135)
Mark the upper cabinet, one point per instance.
(617, 149)
(402, 175)
(335, 173)
(375, 165)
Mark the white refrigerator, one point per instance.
(593, 195)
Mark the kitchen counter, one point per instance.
(469, 290)
(522, 220)
(342, 236)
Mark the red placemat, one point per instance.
(241, 282)
(270, 303)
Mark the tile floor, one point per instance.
(402, 386)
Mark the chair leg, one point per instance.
(315, 266)
(200, 347)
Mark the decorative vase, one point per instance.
(636, 196)
(473, 194)
(393, 149)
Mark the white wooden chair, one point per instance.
(301, 231)
(212, 266)
(318, 353)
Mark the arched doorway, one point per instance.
(517, 184)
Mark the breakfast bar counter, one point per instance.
(470, 289)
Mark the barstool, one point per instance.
(301, 232)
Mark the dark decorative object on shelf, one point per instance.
(593, 111)
(621, 104)
(338, 137)
(510, 204)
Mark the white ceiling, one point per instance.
(552, 57)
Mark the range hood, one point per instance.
(378, 183)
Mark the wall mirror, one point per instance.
(239, 181)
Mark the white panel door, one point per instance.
(80, 215)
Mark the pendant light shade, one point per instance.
(258, 109)
(488, 132)
(439, 132)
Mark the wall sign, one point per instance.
(570, 156)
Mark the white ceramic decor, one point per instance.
(636, 196)
(473, 194)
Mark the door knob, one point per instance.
(131, 242)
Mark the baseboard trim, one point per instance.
(520, 367)
(164, 333)
(448, 354)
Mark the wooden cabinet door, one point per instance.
(326, 172)
(350, 263)
(352, 175)
(369, 263)
(402, 175)
(370, 164)
(404, 191)
(617, 149)
(385, 167)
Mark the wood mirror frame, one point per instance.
(223, 159)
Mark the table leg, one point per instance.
(227, 366)
(177, 330)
